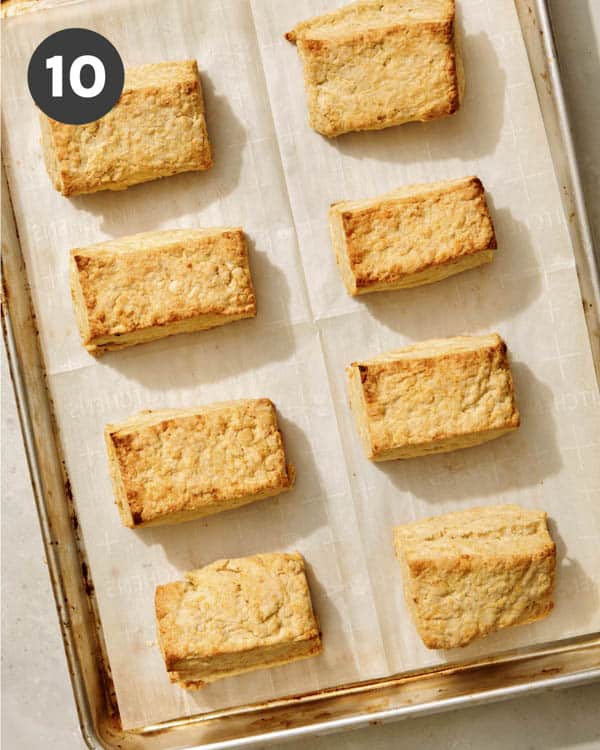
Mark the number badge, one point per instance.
(75, 76)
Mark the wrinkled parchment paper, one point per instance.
(276, 178)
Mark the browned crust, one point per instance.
(305, 28)
(469, 573)
(148, 265)
(384, 415)
(149, 157)
(354, 220)
(370, 374)
(235, 636)
(131, 450)
(325, 49)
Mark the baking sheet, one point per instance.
(276, 178)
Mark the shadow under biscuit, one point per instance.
(480, 298)
(573, 581)
(516, 461)
(222, 352)
(333, 624)
(274, 524)
(574, 592)
(480, 116)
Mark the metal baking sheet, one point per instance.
(355, 694)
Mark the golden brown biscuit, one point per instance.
(148, 286)
(234, 616)
(377, 63)
(156, 129)
(175, 465)
(470, 573)
(433, 397)
(415, 235)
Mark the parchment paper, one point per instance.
(276, 178)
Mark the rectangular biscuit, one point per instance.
(234, 616)
(415, 235)
(148, 286)
(175, 465)
(434, 396)
(470, 573)
(378, 63)
(156, 129)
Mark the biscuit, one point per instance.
(470, 573)
(235, 616)
(156, 129)
(415, 235)
(175, 465)
(148, 286)
(378, 63)
(434, 396)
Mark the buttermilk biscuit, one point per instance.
(176, 465)
(415, 235)
(433, 397)
(378, 63)
(467, 574)
(156, 129)
(152, 285)
(235, 616)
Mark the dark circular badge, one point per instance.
(75, 76)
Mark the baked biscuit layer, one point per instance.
(157, 284)
(156, 129)
(433, 397)
(415, 235)
(470, 573)
(377, 63)
(176, 465)
(234, 616)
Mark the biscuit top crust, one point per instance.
(157, 278)
(437, 389)
(372, 14)
(414, 228)
(469, 573)
(156, 128)
(501, 530)
(177, 460)
(235, 606)
(376, 64)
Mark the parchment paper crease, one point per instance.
(276, 178)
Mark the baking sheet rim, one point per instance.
(89, 727)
